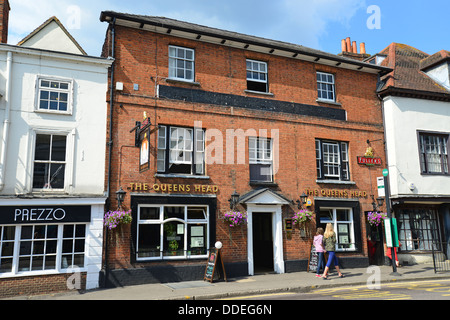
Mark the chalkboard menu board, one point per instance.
(214, 259)
(313, 259)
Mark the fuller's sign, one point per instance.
(369, 161)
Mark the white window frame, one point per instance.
(69, 91)
(161, 221)
(323, 160)
(259, 153)
(254, 70)
(59, 251)
(324, 81)
(176, 60)
(69, 167)
(191, 150)
(336, 223)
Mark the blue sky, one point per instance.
(318, 24)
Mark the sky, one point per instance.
(317, 24)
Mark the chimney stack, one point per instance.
(4, 20)
(350, 50)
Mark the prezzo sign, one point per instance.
(44, 214)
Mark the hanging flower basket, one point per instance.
(235, 218)
(113, 219)
(302, 216)
(376, 218)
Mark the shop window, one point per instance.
(343, 224)
(54, 95)
(433, 153)
(260, 159)
(418, 230)
(172, 232)
(49, 161)
(325, 87)
(181, 63)
(332, 160)
(181, 150)
(7, 235)
(41, 248)
(257, 76)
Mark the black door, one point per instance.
(262, 242)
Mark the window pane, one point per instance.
(174, 212)
(57, 176)
(42, 147)
(173, 240)
(149, 240)
(149, 213)
(196, 213)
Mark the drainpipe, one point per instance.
(110, 145)
(7, 121)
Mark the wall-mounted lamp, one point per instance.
(120, 196)
(234, 199)
(378, 203)
(302, 201)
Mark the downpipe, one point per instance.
(6, 121)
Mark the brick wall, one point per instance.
(142, 58)
(35, 285)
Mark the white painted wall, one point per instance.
(86, 124)
(403, 118)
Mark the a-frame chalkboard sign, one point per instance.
(214, 259)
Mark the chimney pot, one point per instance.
(362, 48)
(354, 48)
(343, 45)
(349, 45)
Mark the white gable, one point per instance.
(267, 197)
(52, 36)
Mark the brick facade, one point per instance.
(220, 74)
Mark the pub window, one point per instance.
(41, 248)
(343, 224)
(257, 76)
(260, 159)
(172, 232)
(54, 95)
(433, 153)
(418, 229)
(181, 150)
(332, 160)
(181, 63)
(325, 86)
(49, 161)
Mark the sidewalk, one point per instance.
(251, 285)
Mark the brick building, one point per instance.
(225, 113)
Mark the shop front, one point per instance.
(55, 243)
(169, 237)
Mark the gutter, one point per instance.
(6, 121)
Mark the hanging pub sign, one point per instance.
(144, 154)
(142, 131)
(368, 159)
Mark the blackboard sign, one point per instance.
(313, 259)
(214, 259)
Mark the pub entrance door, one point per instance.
(262, 242)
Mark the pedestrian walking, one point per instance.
(329, 241)
(318, 244)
